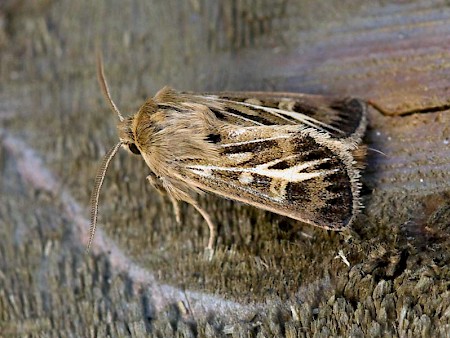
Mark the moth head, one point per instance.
(135, 130)
(126, 135)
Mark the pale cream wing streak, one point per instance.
(294, 173)
(297, 116)
(308, 120)
(288, 174)
(233, 187)
(216, 98)
(301, 118)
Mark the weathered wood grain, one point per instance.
(270, 276)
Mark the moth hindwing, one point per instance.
(292, 154)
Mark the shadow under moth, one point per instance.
(296, 155)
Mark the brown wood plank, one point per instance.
(146, 275)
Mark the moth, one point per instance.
(296, 155)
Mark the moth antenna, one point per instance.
(377, 151)
(104, 85)
(100, 177)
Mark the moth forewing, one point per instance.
(291, 154)
(343, 118)
(297, 172)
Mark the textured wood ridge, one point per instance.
(270, 276)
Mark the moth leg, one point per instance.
(156, 183)
(176, 209)
(212, 227)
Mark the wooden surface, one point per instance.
(270, 276)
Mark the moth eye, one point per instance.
(134, 149)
